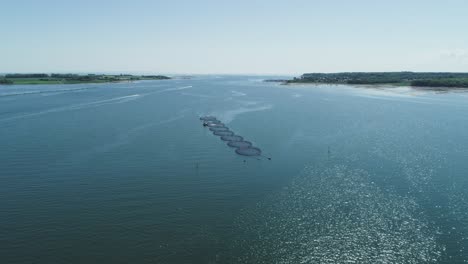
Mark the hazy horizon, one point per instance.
(205, 74)
(241, 38)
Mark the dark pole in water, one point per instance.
(329, 152)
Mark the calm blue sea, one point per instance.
(126, 173)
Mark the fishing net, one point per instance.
(223, 133)
(243, 148)
(250, 151)
(239, 144)
(219, 129)
(208, 118)
(209, 122)
(232, 138)
(215, 125)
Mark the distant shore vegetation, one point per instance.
(419, 79)
(69, 78)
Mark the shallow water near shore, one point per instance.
(125, 172)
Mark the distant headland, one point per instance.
(69, 78)
(417, 79)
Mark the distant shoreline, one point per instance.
(43, 78)
(414, 79)
(381, 86)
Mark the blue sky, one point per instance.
(208, 36)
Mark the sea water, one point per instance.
(126, 173)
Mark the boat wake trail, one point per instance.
(45, 92)
(230, 115)
(176, 89)
(122, 139)
(130, 135)
(116, 100)
(336, 215)
(237, 93)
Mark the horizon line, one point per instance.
(213, 73)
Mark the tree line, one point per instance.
(26, 75)
(432, 79)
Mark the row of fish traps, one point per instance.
(243, 147)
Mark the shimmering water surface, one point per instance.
(125, 173)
